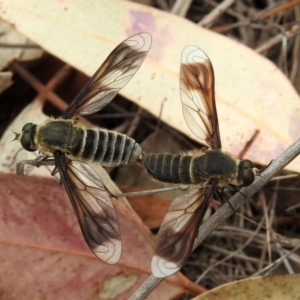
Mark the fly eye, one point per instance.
(28, 132)
(248, 175)
(27, 143)
(28, 127)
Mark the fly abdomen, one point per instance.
(169, 167)
(108, 148)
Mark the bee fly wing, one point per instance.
(175, 239)
(198, 96)
(115, 72)
(93, 207)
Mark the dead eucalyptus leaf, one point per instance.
(253, 96)
(43, 245)
(14, 46)
(281, 287)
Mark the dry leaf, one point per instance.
(252, 93)
(43, 251)
(10, 150)
(281, 287)
(10, 36)
(150, 208)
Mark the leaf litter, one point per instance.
(266, 228)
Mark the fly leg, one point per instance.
(42, 160)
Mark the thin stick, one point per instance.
(216, 13)
(274, 40)
(151, 192)
(277, 9)
(181, 7)
(44, 91)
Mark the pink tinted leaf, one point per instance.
(43, 253)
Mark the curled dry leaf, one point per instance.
(150, 208)
(10, 150)
(253, 96)
(281, 287)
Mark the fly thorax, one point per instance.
(246, 173)
(57, 135)
(215, 164)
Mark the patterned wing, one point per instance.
(178, 230)
(119, 67)
(93, 207)
(198, 96)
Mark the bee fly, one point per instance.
(209, 167)
(63, 139)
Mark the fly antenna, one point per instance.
(16, 137)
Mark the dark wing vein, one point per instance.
(115, 72)
(198, 96)
(178, 230)
(93, 207)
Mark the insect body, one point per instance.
(63, 139)
(200, 167)
(106, 147)
(209, 167)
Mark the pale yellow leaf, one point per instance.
(281, 287)
(11, 151)
(252, 93)
(11, 37)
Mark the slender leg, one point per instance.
(42, 160)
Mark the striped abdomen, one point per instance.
(169, 167)
(188, 169)
(106, 147)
